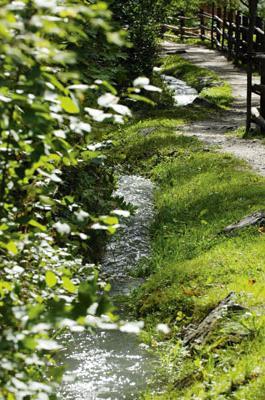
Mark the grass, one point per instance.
(207, 82)
(193, 265)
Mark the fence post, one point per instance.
(262, 74)
(181, 24)
(224, 27)
(258, 45)
(238, 36)
(218, 29)
(202, 23)
(230, 35)
(250, 49)
(213, 25)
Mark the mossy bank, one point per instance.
(194, 265)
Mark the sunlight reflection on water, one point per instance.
(110, 364)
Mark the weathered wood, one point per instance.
(219, 22)
(250, 51)
(257, 118)
(182, 24)
(202, 25)
(212, 25)
(238, 35)
(262, 78)
(173, 28)
(198, 335)
(224, 28)
(257, 218)
(241, 36)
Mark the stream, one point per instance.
(182, 93)
(111, 364)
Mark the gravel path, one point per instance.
(213, 130)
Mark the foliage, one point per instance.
(48, 108)
(141, 19)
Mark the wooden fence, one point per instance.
(232, 33)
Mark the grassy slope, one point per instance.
(193, 266)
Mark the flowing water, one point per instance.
(182, 93)
(111, 364)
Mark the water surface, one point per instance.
(183, 94)
(111, 364)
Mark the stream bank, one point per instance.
(193, 267)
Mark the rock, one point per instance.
(200, 101)
(257, 218)
(198, 335)
(206, 82)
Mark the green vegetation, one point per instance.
(193, 264)
(66, 77)
(206, 82)
(55, 189)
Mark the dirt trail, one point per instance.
(213, 130)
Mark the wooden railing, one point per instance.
(230, 31)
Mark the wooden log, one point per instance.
(257, 218)
(198, 335)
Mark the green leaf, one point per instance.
(144, 99)
(110, 220)
(68, 285)
(69, 105)
(47, 200)
(50, 278)
(12, 247)
(36, 224)
(30, 343)
(35, 311)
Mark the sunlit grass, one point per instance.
(193, 265)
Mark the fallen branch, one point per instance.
(198, 335)
(258, 218)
